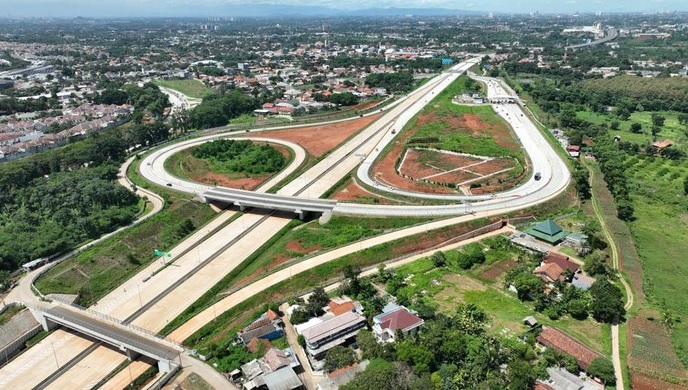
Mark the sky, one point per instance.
(174, 7)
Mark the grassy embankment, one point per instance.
(191, 88)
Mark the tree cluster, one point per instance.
(242, 156)
(393, 82)
(217, 110)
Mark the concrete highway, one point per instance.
(152, 302)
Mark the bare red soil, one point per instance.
(318, 140)
(355, 193)
(498, 269)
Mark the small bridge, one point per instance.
(131, 340)
(243, 199)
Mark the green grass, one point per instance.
(9, 312)
(481, 142)
(672, 129)
(190, 88)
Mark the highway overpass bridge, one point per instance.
(131, 340)
(244, 199)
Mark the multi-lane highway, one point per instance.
(214, 251)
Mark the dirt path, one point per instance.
(616, 358)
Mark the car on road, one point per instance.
(169, 184)
(538, 176)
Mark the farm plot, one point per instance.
(651, 352)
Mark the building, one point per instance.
(274, 371)
(335, 331)
(547, 231)
(560, 379)
(340, 377)
(395, 318)
(582, 281)
(576, 240)
(268, 326)
(554, 338)
(556, 267)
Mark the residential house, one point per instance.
(395, 318)
(554, 338)
(334, 331)
(582, 281)
(274, 371)
(268, 326)
(342, 376)
(554, 267)
(560, 379)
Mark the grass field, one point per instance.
(191, 88)
(468, 129)
(672, 129)
(445, 288)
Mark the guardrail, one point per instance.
(114, 321)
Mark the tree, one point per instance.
(658, 120)
(339, 357)
(636, 128)
(344, 99)
(439, 259)
(596, 264)
(606, 302)
(418, 356)
(528, 286)
(317, 300)
(578, 309)
(604, 369)
(521, 375)
(372, 349)
(582, 178)
(470, 319)
(379, 374)
(625, 210)
(614, 125)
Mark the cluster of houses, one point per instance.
(19, 138)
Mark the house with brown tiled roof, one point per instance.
(550, 273)
(268, 326)
(554, 338)
(395, 318)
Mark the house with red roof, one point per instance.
(554, 338)
(553, 268)
(395, 318)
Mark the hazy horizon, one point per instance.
(106, 8)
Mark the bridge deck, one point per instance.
(111, 334)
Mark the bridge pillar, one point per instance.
(165, 365)
(301, 213)
(46, 323)
(242, 208)
(131, 355)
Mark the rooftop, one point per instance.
(555, 338)
(332, 326)
(400, 319)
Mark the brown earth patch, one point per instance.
(364, 105)
(497, 269)
(415, 166)
(244, 183)
(317, 140)
(493, 166)
(454, 177)
(297, 247)
(641, 382)
(355, 193)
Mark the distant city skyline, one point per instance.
(105, 8)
